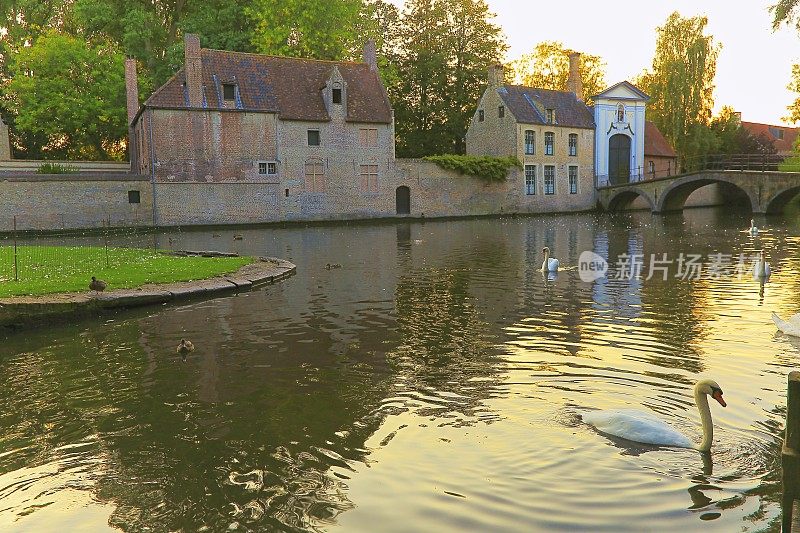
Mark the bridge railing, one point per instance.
(743, 162)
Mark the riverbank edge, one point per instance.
(22, 311)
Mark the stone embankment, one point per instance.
(29, 310)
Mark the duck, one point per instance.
(761, 270)
(753, 228)
(549, 264)
(185, 347)
(97, 285)
(329, 266)
(790, 326)
(646, 428)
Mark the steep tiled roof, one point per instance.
(773, 133)
(288, 86)
(528, 106)
(655, 144)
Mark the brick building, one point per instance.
(292, 125)
(660, 158)
(550, 132)
(781, 137)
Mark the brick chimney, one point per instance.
(131, 88)
(371, 55)
(574, 82)
(5, 144)
(497, 75)
(194, 69)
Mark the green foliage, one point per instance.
(735, 139)
(794, 86)
(444, 49)
(487, 168)
(70, 98)
(547, 67)
(56, 168)
(52, 269)
(681, 84)
(792, 163)
(786, 11)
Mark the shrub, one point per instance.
(56, 168)
(487, 168)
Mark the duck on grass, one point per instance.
(57, 269)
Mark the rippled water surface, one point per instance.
(434, 382)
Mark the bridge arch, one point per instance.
(777, 203)
(625, 198)
(674, 196)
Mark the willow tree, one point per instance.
(444, 49)
(794, 85)
(547, 67)
(681, 85)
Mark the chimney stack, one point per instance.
(497, 75)
(131, 88)
(574, 82)
(194, 69)
(371, 55)
(5, 144)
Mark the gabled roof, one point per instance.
(773, 132)
(619, 90)
(529, 105)
(655, 144)
(291, 87)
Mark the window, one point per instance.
(620, 113)
(573, 180)
(573, 144)
(530, 142)
(549, 141)
(134, 197)
(551, 116)
(651, 166)
(267, 168)
(315, 176)
(337, 95)
(313, 138)
(530, 179)
(369, 178)
(501, 111)
(480, 115)
(228, 91)
(368, 137)
(549, 179)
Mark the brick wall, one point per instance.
(73, 201)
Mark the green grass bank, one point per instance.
(59, 269)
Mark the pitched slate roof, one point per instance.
(528, 105)
(291, 87)
(655, 144)
(771, 132)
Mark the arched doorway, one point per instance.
(619, 159)
(403, 200)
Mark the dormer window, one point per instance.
(620, 113)
(336, 94)
(228, 92)
(551, 116)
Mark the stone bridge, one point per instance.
(767, 192)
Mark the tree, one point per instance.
(547, 67)
(70, 98)
(444, 50)
(733, 138)
(794, 85)
(785, 11)
(681, 85)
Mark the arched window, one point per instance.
(620, 113)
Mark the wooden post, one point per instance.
(791, 450)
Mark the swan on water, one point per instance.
(790, 326)
(642, 426)
(761, 268)
(753, 228)
(549, 264)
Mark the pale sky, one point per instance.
(753, 68)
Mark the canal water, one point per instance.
(420, 376)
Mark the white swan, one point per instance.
(761, 268)
(549, 264)
(641, 426)
(790, 326)
(753, 228)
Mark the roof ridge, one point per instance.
(292, 58)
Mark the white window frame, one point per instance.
(530, 147)
(572, 173)
(530, 180)
(550, 149)
(551, 187)
(267, 164)
(572, 150)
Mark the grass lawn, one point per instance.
(50, 269)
